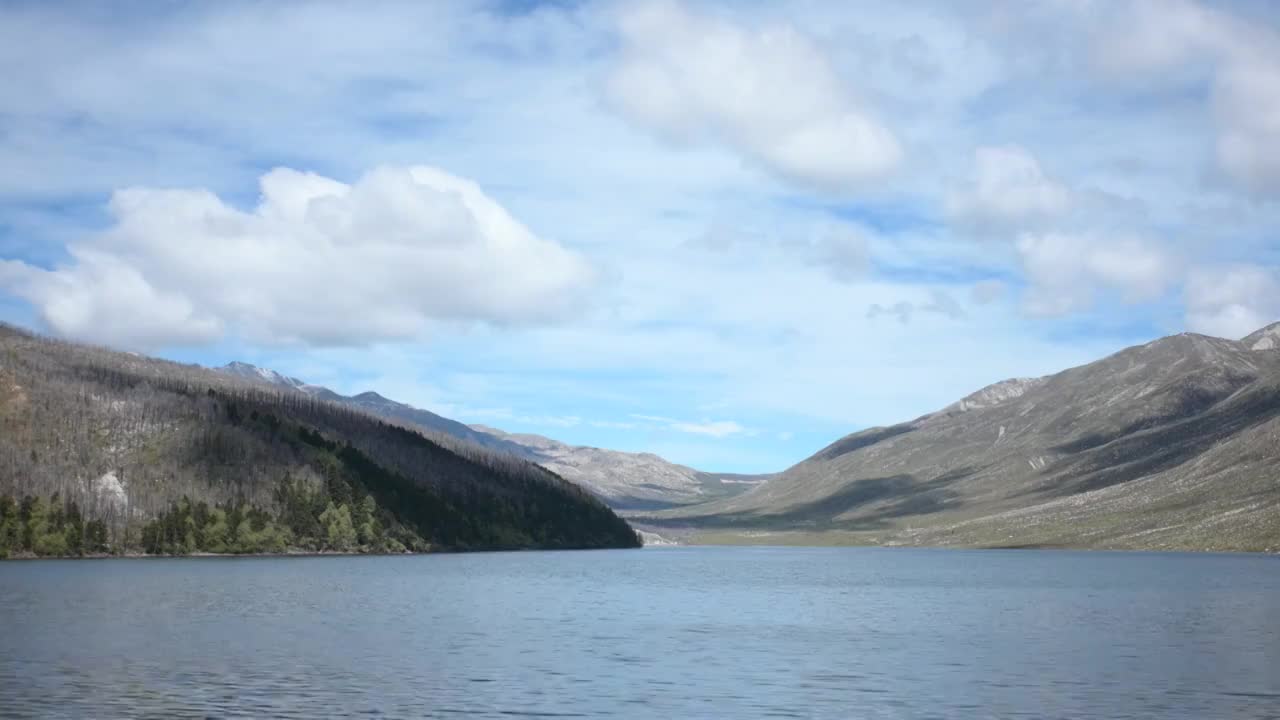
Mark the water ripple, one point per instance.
(830, 633)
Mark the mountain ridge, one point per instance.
(1267, 338)
(1169, 444)
(625, 480)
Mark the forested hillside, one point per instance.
(103, 451)
(624, 480)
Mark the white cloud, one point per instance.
(510, 416)
(1141, 36)
(1066, 271)
(770, 92)
(712, 428)
(316, 262)
(512, 99)
(1151, 39)
(107, 300)
(1008, 191)
(1247, 104)
(1232, 301)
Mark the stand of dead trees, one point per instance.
(157, 456)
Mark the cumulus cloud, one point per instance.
(768, 92)
(105, 299)
(1150, 39)
(1066, 271)
(317, 262)
(1232, 301)
(1007, 191)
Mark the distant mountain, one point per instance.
(1171, 444)
(370, 402)
(624, 480)
(253, 372)
(627, 481)
(103, 451)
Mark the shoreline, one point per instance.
(27, 556)
(989, 548)
(206, 555)
(693, 537)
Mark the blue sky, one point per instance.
(726, 233)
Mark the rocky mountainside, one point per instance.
(627, 481)
(107, 451)
(1268, 338)
(624, 480)
(1171, 444)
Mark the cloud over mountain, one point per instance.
(1232, 301)
(316, 262)
(1067, 271)
(766, 192)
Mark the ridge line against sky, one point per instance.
(723, 233)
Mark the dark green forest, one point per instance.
(112, 453)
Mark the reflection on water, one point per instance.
(689, 632)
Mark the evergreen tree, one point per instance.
(217, 534)
(366, 524)
(190, 534)
(10, 527)
(47, 538)
(95, 537)
(33, 516)
(42, 535)
(73, 529)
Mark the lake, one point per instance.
(669, 633)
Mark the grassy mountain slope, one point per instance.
(1172, 444)
(158, 453)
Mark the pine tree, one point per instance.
(10, 527)
(95, 537)
(366, 524)
(217, 534)
(73, 528)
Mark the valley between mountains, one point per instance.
(1170, 445)
(1174, 444)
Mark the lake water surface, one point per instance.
(671, 633)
